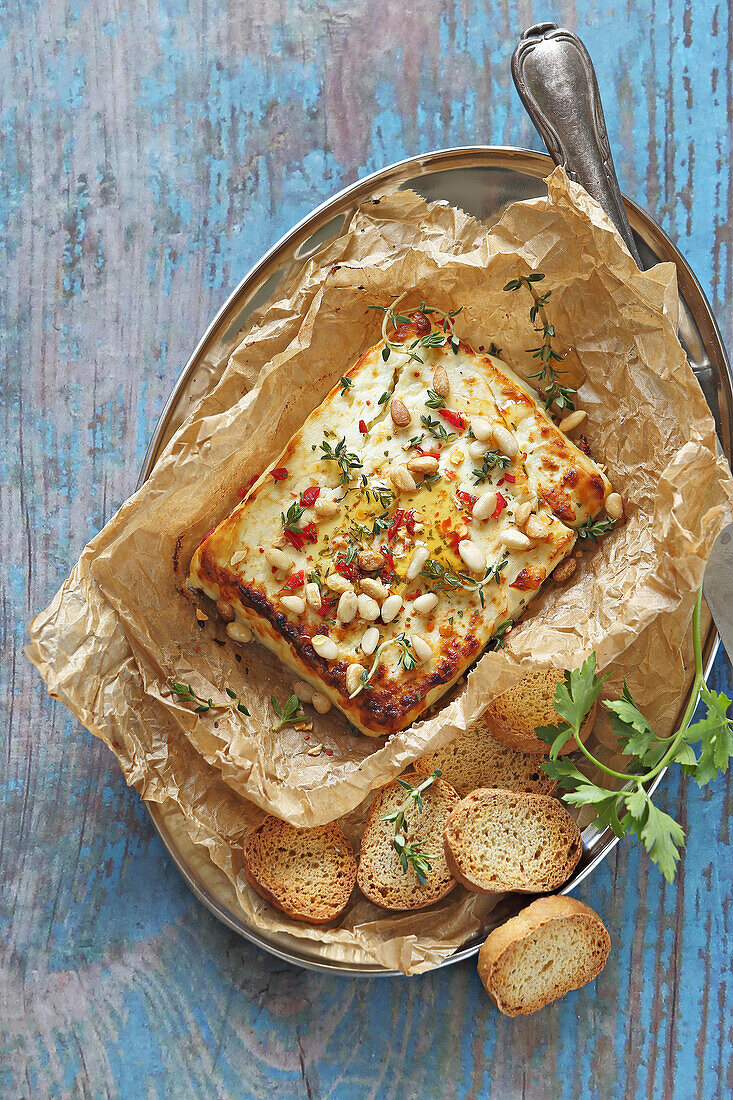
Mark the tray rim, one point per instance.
(533, 163)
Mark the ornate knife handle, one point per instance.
(556, 81)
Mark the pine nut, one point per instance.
(324, 507)
(614, 505)
(485, 506)
(572, 420)
(477, 450)
(505, 441)
(320, 703)
(515, 540)
(441, 382)
(422, 650)
(338, 584)
(472, 556)
(277, 559)
(424, 604)
(391, 608)
(535, 528)
(347, 607)
(481, 428)
(367, 607)
(522, 513)
(225, 611)
(424, 464)
(374, 588)
(303, 691)
(402, 479)
(293, 603)
(325, 647)
(565, 570)
(353, 677)
(312, 595)
(239, 632)
(400, 413)
(369, 560)
(238, 557)
(417, 561)
(369, 640)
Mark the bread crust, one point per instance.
(329, 835)
(512, 719)
(539, 914)
(457, 837)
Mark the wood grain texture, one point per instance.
(151, 151)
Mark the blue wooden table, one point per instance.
(151, 150)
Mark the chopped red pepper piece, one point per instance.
(388, 570)
(296, 581)
(410, 520)
(310, 495)
(500, 506)
(241, 493)
(328, 607)
(425, 454)
(295, 538)
(454, 418)
(453, 538)
(346, 568)
(510, 478)
(466, 498)
(311, 532)
(280, 473)
(363, 427)
(395, 525)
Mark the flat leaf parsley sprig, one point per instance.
(554, 392)
(412, 853)
(631, 810)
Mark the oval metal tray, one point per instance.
(483, 181)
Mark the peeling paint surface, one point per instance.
(151, 152)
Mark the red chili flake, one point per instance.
(583, 444)
(306, 737)
(453, 538)
(241, 493)
(328, 752)
(388, 570)
(466, 498)
(500, 505)
(454, 418)
(410, 520)
(328, 607)
(363, 427)
(395, 525)
(346, 568)
(510, 478)
(280, 473)
(296, 581)
(310, 495)
(432, 454)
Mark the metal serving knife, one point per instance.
(557, 84)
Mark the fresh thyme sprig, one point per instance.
(630, 809)
(411, 853)
(187, 695)
(432, 339)
(436, 429)
(434, 400)
(442, 577)
(592, 528)
(345, 384)
(290, 713)
(406, 659)
(379, 493)
(554, 392)
(492, 460)
(346, 461)
(498, 638)
(291, 519)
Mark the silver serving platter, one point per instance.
(483, 181)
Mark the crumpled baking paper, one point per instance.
(122, 627)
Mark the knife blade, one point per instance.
(554, 76)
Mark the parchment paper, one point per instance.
(122, 627)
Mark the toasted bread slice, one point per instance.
(501, 840)
(476, 759)
(554, 945)
(381, 877)
(307, 873)
(513, 716)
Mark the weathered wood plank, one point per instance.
(150, 154)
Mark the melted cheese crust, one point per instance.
(563, 486)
